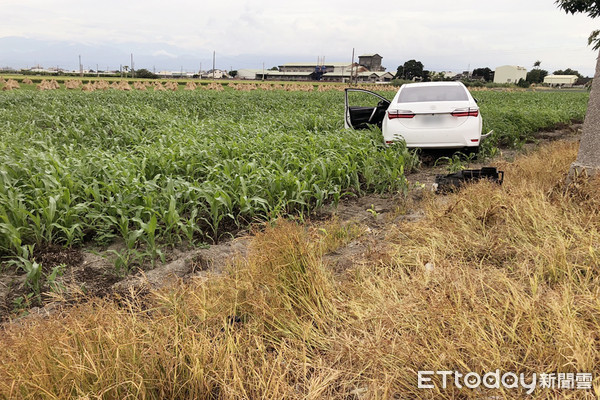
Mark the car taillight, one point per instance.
(465, 112)
(393, 114)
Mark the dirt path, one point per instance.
(93, 273)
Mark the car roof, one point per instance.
(440, 83)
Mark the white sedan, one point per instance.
(441, 115)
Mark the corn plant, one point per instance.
(157, 168)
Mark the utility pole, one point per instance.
(263, 75)
(80, 67)
(121, 70)
(214, 64)
(97, 71)
(352, 67)
(132, 67)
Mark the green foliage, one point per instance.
(589, 7)
(485, 73)
(156, 168)
(399, 82)
(536, 75)
(515, 117)
(523, 83)
(33, 270)
(413, 69)
(399, 72)
(568, 71)
(144, 73)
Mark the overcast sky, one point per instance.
(444, 35)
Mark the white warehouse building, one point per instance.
(509, 74)
(559, 80)
(247, 73)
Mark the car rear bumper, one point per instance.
(466, 135)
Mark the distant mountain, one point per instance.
(20, 52)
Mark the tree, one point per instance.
(413, 69)
(233, 73)
(536, 75)
(399, 72)
(484, 73)
(537, 64)
(144, 73)
(588, 157)
(568, 71)
(273, 69)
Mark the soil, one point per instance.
(91, 272)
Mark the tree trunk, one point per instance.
(588, 158)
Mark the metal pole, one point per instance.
(352, 67)
(214, 64)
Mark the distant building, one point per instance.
(216, 74)
(311, 67)
(362, 77)
(176, 74)
(327, 72)
(509, 74)
(561, 80)
(449, 74)
(372, 62)
(285, 76)
(248, 73)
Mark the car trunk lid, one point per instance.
(438, 115)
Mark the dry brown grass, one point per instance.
(101, 85)
(170, 85)
(27, 81)
(190, 86)
(73, 84)
(44, 85)
(137, 85)
(11, 84)
(158, 87)
(212, 86)
(514, 286)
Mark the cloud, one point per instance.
(165, 53)
(444, 35)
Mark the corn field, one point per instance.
(192, 165)
(169, 167)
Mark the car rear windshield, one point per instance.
(432, 93)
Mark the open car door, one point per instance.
(371, 110)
